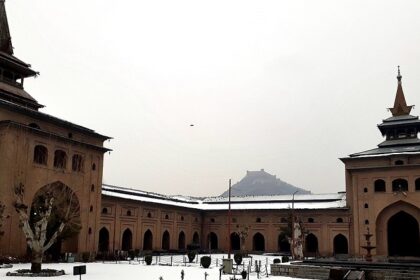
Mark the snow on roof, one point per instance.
(304, 201)
(366, 154)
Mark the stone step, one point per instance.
(355, 274)
(401, 278)
(402, 275)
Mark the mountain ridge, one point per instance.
(262, 183)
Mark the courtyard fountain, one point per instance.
(368, 247)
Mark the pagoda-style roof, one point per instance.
(399, 122)
(400, 130)
(13, 70)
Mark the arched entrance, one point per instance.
(127, 240)
(196, 239)
(65, 207)
(340, 245)
(103, 245)
(235, 242)
(148, 240)
(166, 241)
(403, 235)
(311, 244)
(387, 223)
(212, 241)
(283, 244)
(181, 241)
(258, 242)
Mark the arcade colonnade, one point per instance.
(130, 225)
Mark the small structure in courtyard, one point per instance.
(368, 247)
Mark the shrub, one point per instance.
(85, 257)
(285, 259)
(132, 254)
(238, 258)
(205, 261)
(276, 261)
(191, 256)
(243, 274)
(148, 259)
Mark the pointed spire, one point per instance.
(5, 39)
(400, 106)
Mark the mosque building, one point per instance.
(39, 150)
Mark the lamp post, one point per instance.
(229, 219)
(293, 223)
(227, 263)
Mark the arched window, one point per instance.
(417, 182)
(91, 208)
(166, 241)
(127, 240)
(311, 244)
(213, 241)
(196, 238)
(149, 215)
(235, 241)
(34, 125)
(92, 188)
(166, 217)
(93, 167)
(399, 162)
(366, 222)
(181, 241)
(103, 240)
(148, 240)
(339, 220)
(182, 218)
(104, 210)
(340, 244)
(283, 243)
(258, 220)
(60, 159)
(379, 185)
(40, 154)
(399, 185)
(365, 190)
(258, 242)
(366, 205)
(212, 220)
(77, 163)
(311, 220)
(128, 212)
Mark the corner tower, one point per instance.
(383, 186)
(40, 150)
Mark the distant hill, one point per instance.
(262, 183)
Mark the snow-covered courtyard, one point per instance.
(138, 270)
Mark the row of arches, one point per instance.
(127, 240)
(60, 158)
(398, 185)
(340, 243)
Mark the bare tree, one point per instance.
(54, 208)
(294, 234)
(243, 232)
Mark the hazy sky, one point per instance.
(288, 86)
